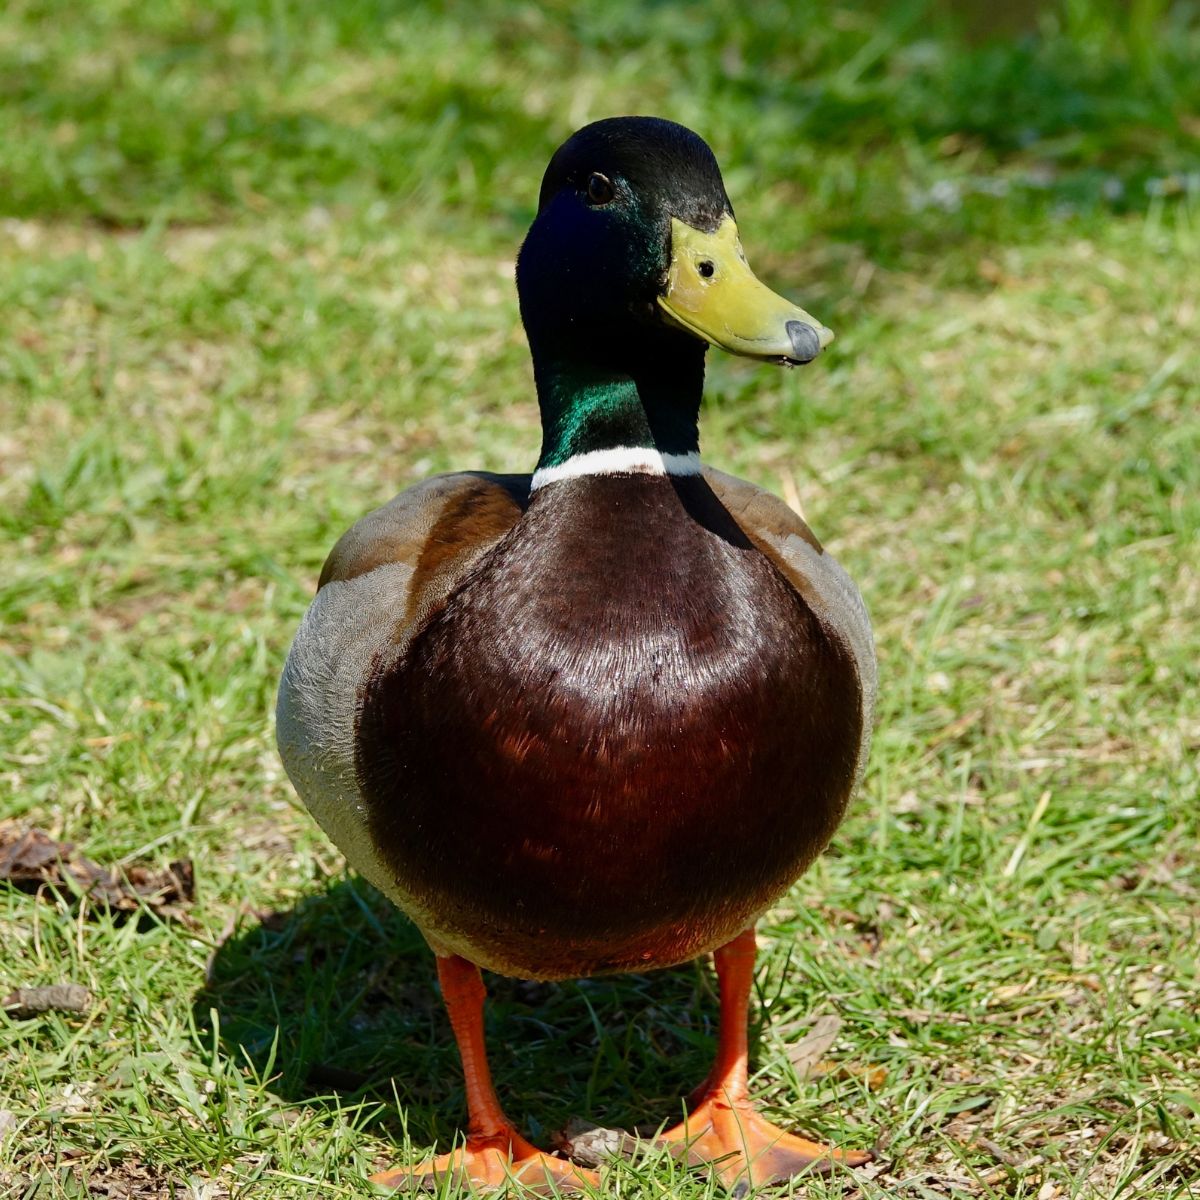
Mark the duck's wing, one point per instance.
(817, 576)
(438, 529)
(381, 582)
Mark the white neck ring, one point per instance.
(619, 460)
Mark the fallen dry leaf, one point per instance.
(132, 1180)
(805, 1054)
(32, 861)
(57, 997)
(874, 1077)
(591, 1145)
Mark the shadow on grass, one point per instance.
(337, 997)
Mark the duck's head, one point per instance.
(635, 249)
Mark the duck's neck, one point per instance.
(601, 417)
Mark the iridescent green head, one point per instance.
(630, 269)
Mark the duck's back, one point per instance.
(612, 733)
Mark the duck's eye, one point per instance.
(706, 268)
(599, 188)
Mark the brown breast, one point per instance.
(619, 740)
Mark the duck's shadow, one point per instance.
(337, 998)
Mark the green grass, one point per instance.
(255, 277)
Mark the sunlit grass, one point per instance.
(255, 277)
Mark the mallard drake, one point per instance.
(600, 717)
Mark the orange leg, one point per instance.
(495, 1153)
(723, 1128)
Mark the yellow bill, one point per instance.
(713, 294)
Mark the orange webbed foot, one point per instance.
(722, 1127)
(491, 1162)
(745, 1149)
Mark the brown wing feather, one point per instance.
(433, 527)
(440, 528)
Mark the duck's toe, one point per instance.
(489, 1163)
(746, 1150)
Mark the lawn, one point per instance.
(256, 277)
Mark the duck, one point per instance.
(598, 717)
